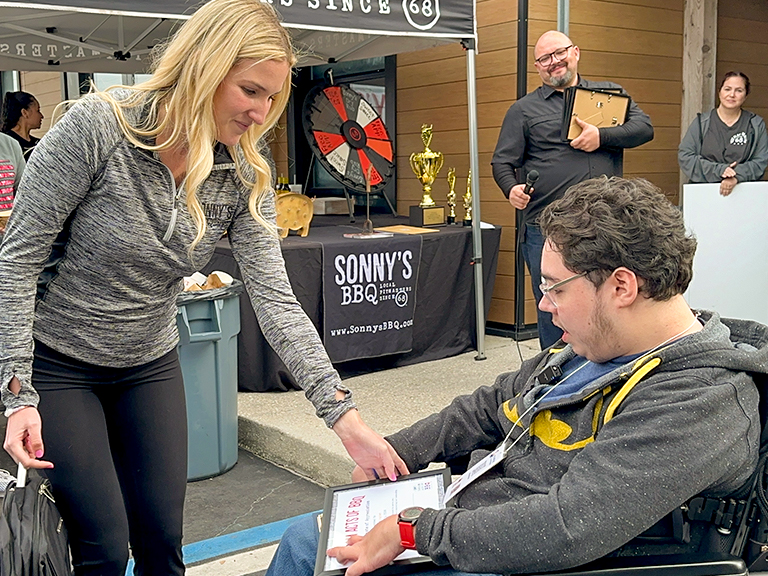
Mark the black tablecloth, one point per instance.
(444, 318)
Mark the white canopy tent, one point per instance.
(118, 37)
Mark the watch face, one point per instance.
(411, 513)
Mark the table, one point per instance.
(444, 317)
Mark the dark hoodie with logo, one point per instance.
(110, 299)
(599, 467)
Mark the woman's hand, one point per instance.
(359, 475)
(23, 438)
(729, 172)
(376, 549)
(726, 185)
(367, 448)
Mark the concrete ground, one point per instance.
(281, 427)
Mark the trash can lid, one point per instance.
(235, 289)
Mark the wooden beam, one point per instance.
(699, 60)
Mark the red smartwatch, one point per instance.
(406, 521)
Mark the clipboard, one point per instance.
(601, 107)
(350, 505)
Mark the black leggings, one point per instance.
(118, 441)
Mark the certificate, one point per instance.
(354, 509)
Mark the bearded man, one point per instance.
(530, 140)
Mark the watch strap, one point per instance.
(407, 535)
(406, 522)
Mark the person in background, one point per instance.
(529, 140)
(11, 168)
(727, 145)
(21, 114)
(136, 185)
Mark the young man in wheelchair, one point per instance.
(643, 405)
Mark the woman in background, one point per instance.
(21, 114)
(729, 144)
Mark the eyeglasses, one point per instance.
(547, 290)
(558, 54)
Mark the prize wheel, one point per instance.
(347, 136)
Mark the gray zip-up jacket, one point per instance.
(700, 170)
(597, 468)
(111, 298)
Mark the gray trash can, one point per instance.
(208, 323)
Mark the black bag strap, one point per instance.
(701, 131)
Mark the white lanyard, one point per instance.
(501, 450)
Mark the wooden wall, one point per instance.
(46, 87)
(637, 43)
(742, 44)
(432, 89)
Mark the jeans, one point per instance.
(298, 548)
(531, 247)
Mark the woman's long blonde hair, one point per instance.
(184, 79)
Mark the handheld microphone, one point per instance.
(530, 180)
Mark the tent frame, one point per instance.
(124, 52)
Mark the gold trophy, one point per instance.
(467, 200)
(426, 164)
(451, 198)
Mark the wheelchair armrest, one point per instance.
(664, 565)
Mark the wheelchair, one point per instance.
(742, 525)
(736, 540)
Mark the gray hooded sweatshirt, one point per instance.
(597, 468)
(111, 298)
(700, 170)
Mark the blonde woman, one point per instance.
(124, 196)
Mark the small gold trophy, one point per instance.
(426, 164)
(451, 198)
(468, 201)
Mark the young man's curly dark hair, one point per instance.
(604, 223)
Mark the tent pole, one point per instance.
(477, 240)
(563, 16)
(521, 331)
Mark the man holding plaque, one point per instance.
(594, 447)
(530, 139)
